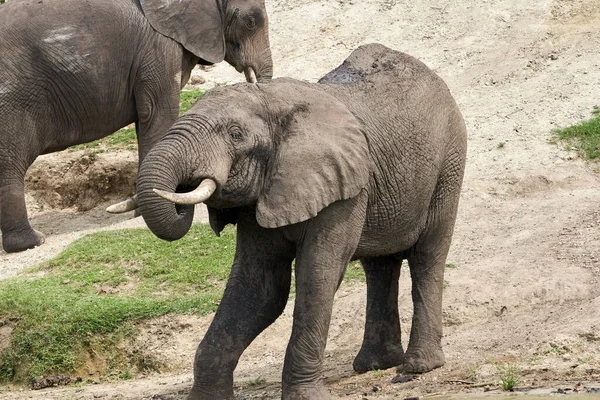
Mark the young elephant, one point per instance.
(367, 164)
(73, 71)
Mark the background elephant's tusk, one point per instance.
(198, 195)
(250, 75)
(127, 205)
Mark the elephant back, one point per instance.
(377, 65)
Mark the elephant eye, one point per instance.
(236, 134)
(250, 22)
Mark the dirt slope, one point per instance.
(525, 289)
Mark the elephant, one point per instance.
(366, 164)
(73, 71)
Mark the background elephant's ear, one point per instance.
(323, 157)
(196, 24)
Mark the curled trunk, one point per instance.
(160, 171)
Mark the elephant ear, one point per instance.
(195, 24)
(322, 157)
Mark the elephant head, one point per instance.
(287, 148)
(236, 31)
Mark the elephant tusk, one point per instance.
(250, 75)
(198, 195)
(127, 205)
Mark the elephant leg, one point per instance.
(424, 351)
(256, 294)
(17, 234)
(157, 99)
(427, 262)
(381, 347)
(325, 247)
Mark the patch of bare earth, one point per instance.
(525, 290)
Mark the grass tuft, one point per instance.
(508, 375)
(583, 137)
(258, 382)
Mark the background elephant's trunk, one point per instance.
(253, 53)
(176, 164)
(265, 72)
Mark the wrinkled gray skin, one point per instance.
(367, 164)
(73, 71)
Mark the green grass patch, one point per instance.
(125, 138)
(583, 137)
(187, 98)
(355, 272)
(86, 303)
(87, 299)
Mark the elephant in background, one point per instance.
(366, 164)
(73, 71)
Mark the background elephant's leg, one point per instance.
(382, 347)
(256, 294)
(325, 246)
(157, 110)
(17, 234)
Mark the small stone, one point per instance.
(197, 80)
(403, 378)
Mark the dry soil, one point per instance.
(524, 289)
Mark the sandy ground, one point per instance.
(525, 290)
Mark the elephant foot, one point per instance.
(375, 357)
(13, 242)
(419, 363)
(198, 393)
(313, 391)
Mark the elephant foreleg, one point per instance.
(381, 347)
(256, 294)
(157, 99)
(325, 247)
(17, 234)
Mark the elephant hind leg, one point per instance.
(427, 262)
(17, 234)
(424, 352)
(382, 346)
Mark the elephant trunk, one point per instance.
(260, 70)
(265, 72)
(176, 164)
(253, 57)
